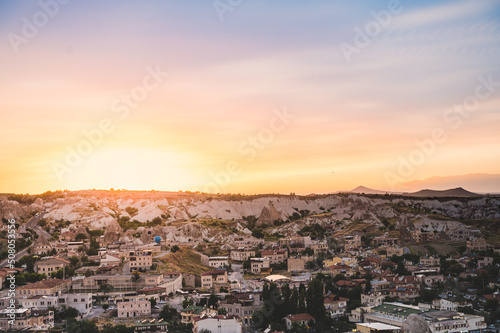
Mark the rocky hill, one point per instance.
(180, 213)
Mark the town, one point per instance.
(125, 261)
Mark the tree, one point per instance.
(29, 261)
(42, 223)
(156, 221)
(65, 313)
(174, 249)
(74, 261)
(368, 285)
(59, 274)
(73, 326)
(212, 301)
(131, 210)
(401, 269)
(106, 288)
(315, 303)
(257, 233)
(136, 276)
(298, 328)
(491, 305)
(153, 301)
(168, 313)
(81, 236)
(187, 302)
(105, 306)
(20, 280)
(117, 329)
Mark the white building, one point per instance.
(217, 323)
(454, 322)
(372, 299)
(81, 302)
(439, 321)
(242, 254)
(217, 262)
(134, 307)
(39, 302)
(450, 303)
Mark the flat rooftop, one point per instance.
(378, 326)
(397, 309)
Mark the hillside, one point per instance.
(184, 260)
(185, 217)
(451, 193)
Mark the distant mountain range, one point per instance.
(455, 192)
(479, 182)
(366, 190)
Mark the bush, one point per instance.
(81, 236)
(131, 210)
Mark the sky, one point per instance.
(249, 96)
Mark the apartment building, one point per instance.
(134, 307)
(49, 265)
(430, 261)
(372, 299)
(385, 240)
(81, 302)
(300, 318)
(420, 236)
(477, 244)
(140, 259)
(352, 242)
(407, 293)
(335, 305)
(260, 265)
(451, 303)
(153, 280)
(242, 254)
(394, 251)
(23, 319)
(218, 262)
(341, 268)
(48, 287)
(296, 264)
(243, 305)
(275, 256)
(213, 279)
(39, 302)
(319, 247)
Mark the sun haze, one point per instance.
(258, 97)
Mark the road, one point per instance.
(18, 256)
(33, 224)
(238, 276)
(95, 312)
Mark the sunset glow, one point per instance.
(260, 99)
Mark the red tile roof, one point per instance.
(300, 317)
